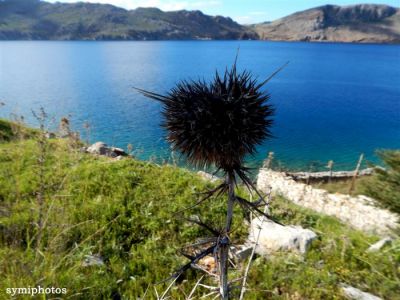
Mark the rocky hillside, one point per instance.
(366, 23)
(39, 20)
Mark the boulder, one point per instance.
(118, 151)
(356, 294)
(50, 135)
(242, 252)
(100, 148)
(274, 237)
(380, 244)
(93, 260)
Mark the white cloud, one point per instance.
(257, 13)
(167, 5)
(251, 18)
(243, 19)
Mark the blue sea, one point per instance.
(333, 101)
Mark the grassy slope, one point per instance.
(383, 185)
(10, 131)
(343, 187)
(124, 211)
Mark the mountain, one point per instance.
(364, 23)
(39, 20)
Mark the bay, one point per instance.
(333, 101)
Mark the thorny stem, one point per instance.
(246, 273)
(225, 241)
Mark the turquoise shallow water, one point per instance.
(333, 101)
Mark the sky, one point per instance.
(242, 11)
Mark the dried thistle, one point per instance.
(218, 123)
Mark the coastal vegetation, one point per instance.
(11, 131)
(383, 185)
(110, 230)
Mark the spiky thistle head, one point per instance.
(218, 122)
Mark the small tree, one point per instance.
(385, 184)
(218, 124)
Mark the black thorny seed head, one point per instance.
(217, 123)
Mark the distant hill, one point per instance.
(356, 23)
(39, 20)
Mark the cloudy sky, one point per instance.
(242, 11)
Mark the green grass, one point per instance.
(124, 211)
(383, 185)
(12, 130)
(343, 187)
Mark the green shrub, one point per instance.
(12, 130)
(385, 185)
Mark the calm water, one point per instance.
(333, 101)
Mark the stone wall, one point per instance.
(358, 212)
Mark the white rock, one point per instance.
(274, 237)
(93, 260)
(242, 252)
(207, 176)
(101, 148)
(356, 294)
(118, 151)
(358, 212)
(50, 135)
(380, 244)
